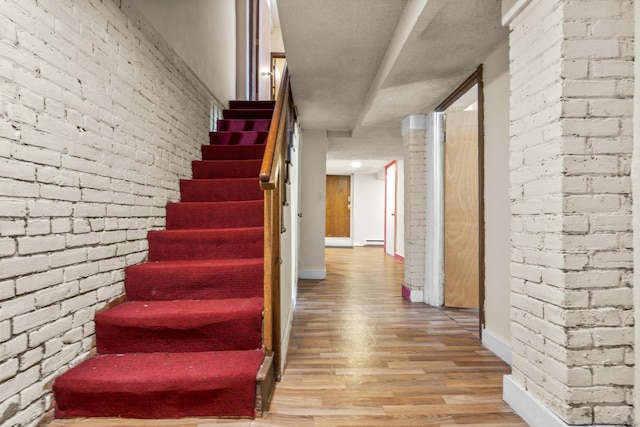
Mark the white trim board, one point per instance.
(510, 14)
(346, 242)
(415, 295)
(530, 409)
(313, 274)
(285, 339)
(497, 346)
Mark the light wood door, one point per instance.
(338, 220)
(461, 210)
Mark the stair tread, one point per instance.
(244, 124)
(175, 385)
(233, 152)
(220, 189)
(206, 231)
(205, 243)
(226, 168)
(204, 264)
(221, 214)
(180, 326)
(247, 113)
(191, 313)
(197, 279)
(245, 104)
(238, 138)
(174, 366)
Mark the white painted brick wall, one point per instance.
(415, 184)
(571, 104)
(99, 119)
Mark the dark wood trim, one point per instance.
(481, 225)
(254, 48)
(461, 90)
(475, 78)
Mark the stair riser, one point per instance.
(228, 402)
(253, 113)
(196, 284)
(240, 333)
(214, 215)
(220, 190)
(232, 152)
(238, 138)
(248, 105)
(184, 245)
(219, 169)
(244, 125)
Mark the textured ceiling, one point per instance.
(363, 65)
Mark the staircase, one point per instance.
(188, 340)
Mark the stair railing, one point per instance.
(272, 181)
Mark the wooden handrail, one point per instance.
(276, 137)
(272, 182)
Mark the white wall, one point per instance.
(264, 68)
(368, 208)
(400, 209)
(289, 250)
(277, 45)
(203, 33)
(496, 194)
(313, 188)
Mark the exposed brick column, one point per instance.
(571, 141)
(415, 185)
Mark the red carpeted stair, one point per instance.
(188, 341)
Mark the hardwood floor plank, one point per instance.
(360, 355)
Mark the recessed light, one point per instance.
(356, 164)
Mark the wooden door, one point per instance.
(461, 210)
(338, 219)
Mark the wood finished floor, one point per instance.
(360, 355)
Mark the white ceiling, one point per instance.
(362, 66)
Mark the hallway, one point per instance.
(359, 355)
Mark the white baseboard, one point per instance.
(346, 242)
(313, 274)
(530, 409)
(285, 340)
(497, 346)
(417, 295)
(412, 295)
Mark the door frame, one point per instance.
(395, 208)
(274, 57)
(473, 79)
(343, 241)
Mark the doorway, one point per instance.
(463, 237)
(338, 210)
(278, 61)
(390, 175)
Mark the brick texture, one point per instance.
(99, 119)
(571, 141)
(415, 184)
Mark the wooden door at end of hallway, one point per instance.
(461, 210)
(338, 215)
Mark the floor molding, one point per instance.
(412, 295)
(497, 346)
(530, 409)
(313, 274)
